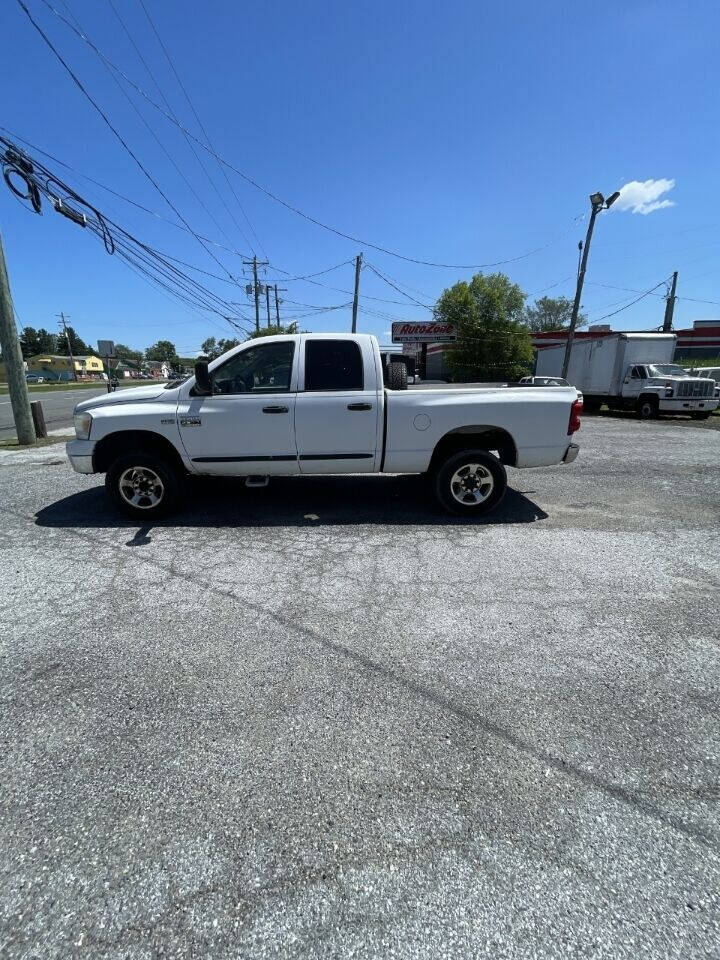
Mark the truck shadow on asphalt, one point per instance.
(289, 501)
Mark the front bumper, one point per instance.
(80, 455)
(571, 453)
(688, 404)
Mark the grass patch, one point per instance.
(12, 442)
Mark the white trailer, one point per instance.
(630, 371)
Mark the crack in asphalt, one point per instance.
(366, 665)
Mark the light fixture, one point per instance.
(611, 199)
(597, 199)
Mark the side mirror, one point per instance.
(203, 380)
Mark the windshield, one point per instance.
(667, 370)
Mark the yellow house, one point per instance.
(54, 367)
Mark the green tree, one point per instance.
(209, 348)
(274, 330)
(79, 347)
(492, 341)
(47, 342)
(212, 347)
(123, 352)
(162, 350)
(551, 313)
(30, 342)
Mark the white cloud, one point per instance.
(643, 196)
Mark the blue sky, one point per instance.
(459, 133)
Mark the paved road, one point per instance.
(322, 720)
(57, 406)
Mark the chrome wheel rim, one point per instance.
(472, 484)
(141, 487)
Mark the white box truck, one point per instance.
(630, 371)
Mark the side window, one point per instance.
(333, 365)
(265, 368)
(638, 373)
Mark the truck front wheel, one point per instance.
(470, 483)
(648, 407)
(143, 486)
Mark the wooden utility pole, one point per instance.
(69, 343)
(256, 291)
(358, 268)
(267, 302)
(670, 305)
(12, 357)
(255, 263)
(277, 303)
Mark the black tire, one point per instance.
(397, 375)
(701, 416)
(120, 479)
(648, 408)
(448, 486)
(591, 406)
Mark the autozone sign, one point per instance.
(431, 332)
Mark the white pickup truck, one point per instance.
(317, 403)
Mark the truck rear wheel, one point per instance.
(647, 408)
(470, 483)
(143, 486)
(701, 416)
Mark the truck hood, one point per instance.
(131, 395)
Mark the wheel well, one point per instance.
(128, 441)
(649, 396)
(484, 437)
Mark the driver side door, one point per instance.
(633, 381)
(247, 426)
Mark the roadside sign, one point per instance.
(106, 348)
(431, 332)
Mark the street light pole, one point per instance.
(598, 203)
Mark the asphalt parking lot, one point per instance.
(324, 720)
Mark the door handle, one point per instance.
(278, 409)
(359, 406)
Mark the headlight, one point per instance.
(83, 423)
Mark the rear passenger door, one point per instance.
(336, 414)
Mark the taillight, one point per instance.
(575, 411)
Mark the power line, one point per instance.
(120, 196)
(632, 302)
(187, 140)
(552, 286)
(112, 128)
(205, 134)
(611, 286)
(137, 254)
(155, 137)
(275, 197)
(307, 276)
(377, 273)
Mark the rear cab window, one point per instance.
(333, 365)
